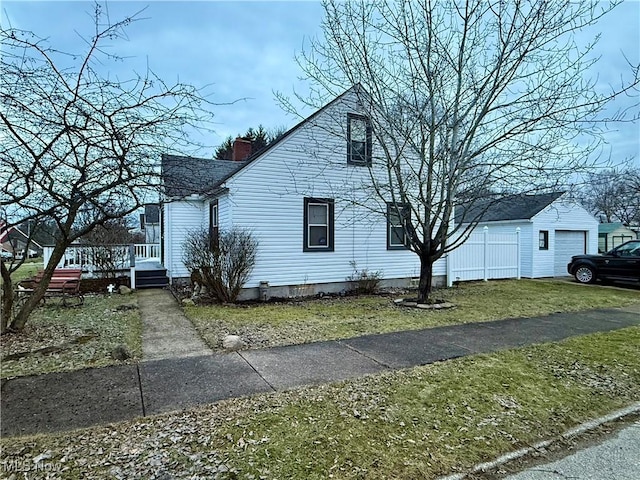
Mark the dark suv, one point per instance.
(621, 263)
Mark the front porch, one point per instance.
(141, 262)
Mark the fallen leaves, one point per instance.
(63, 339)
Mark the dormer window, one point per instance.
(358, 140)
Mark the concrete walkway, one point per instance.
(64, 401)
(167, 333)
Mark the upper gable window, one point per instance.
(358, 140)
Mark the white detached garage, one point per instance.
(553, 228)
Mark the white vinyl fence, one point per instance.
(485, 256)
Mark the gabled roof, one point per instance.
(610, 227)
(13, 234)
(184, 176)
(512, 207)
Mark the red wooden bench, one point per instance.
(64, 284)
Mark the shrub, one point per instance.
(367, 282)
(223, 268)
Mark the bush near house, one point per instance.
(220, 261)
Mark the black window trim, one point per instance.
(305, 234)
(404, 212)
(368, 143)
(214, 229)
(543, 240)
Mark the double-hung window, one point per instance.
(397, 217)
(358, 140)
(318, 224)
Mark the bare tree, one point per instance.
(223, 264)
(108, 246)
(77, 139)
(15, 261)
(614, 195)
(465, 102)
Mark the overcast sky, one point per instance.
(245, 50)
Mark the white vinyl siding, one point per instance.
(268, 198)
(563, 216)
(560, 216)
(182, 217)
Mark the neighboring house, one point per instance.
(14, 241)
(150, 223)
(610, 235)
(309, 239)
(552, 229)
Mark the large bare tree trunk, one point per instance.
(7, 297)
(426, 276)
(20, 320)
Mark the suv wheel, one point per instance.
(585, 274)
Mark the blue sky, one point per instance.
(245, 50)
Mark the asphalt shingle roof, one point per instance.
(512, 207)
(184, 176)
(609, 227)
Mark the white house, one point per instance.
(300, 197)
(552, 228)
(14, 241)
(309, 235)
(610, 235)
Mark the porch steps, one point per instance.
(152, 278)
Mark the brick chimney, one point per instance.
(241, 149)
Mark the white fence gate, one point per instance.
(485, 256)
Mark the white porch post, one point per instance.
(518, 250)
(485, 231)
(132, 260)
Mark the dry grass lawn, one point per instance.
(60, 338)
(332, 318)
(422, 422)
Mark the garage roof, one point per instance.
(512, 207)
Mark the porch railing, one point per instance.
(118, 256)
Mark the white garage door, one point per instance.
(567, 244)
